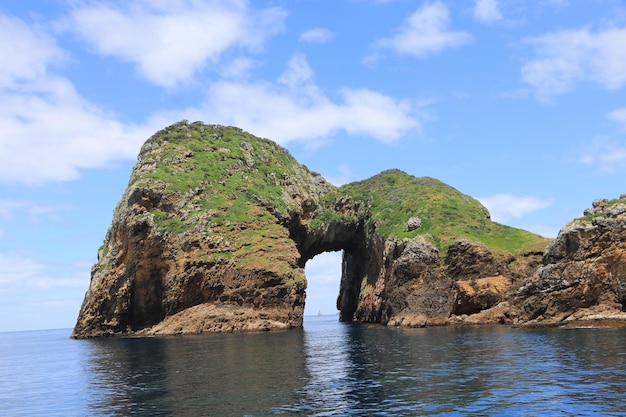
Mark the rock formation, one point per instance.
(583, 281)
(200, 240)
(216, 225)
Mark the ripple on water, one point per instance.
(327, 369)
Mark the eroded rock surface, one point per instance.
(216, 226)
(584, 277)
(200, 240)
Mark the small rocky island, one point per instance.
(216, 226)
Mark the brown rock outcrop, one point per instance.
(190, 252)
(416, 287)
(216, 226)
(583, 280)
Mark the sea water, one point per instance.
(326, 369)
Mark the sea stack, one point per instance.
(216, 226)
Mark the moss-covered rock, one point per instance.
(215, 219)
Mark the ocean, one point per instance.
(326, 369)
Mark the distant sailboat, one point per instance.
(319, 313)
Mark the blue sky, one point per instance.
(519, 103)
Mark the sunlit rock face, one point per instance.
(201, 239)
(583, 281)
(216, 226)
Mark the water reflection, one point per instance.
(214, 375)
(327, 369)
(129, 376)
(343, 369)
(378, 371)
(335, 381)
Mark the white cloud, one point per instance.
(425, 32)
(344, 176)
(504, 207)
(564, 58)
(8, 207)
(39, 295)
(35, 211)
(295, 108)
(48, 131)
(238, 68)
(317, 35)
(619, 116)
(487, 11)
(299, 74)
(171, 41)
(18, 272)
(605, 155)
(26, 52)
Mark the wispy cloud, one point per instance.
(49, 132)
(317, 35)
(563, 59)
(171, 41)
(619, 116)
(295, 108)
(487, 11)
(238, 68)
(18, 272)
(604, 155)
(424, 33)
(27, 52)
(504, 207)
(343, 176)
(33, 210)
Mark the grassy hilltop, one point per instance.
(216, 225)
(445, 213)
(242, 171)
(230, 178)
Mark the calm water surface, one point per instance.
(327, 369)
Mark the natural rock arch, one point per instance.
(216, 225)
(349, 238)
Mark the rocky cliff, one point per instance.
(583, 280)
(216, 225)
(200, 240)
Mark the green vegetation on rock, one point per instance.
(217, 218)
(237, 170)
(604, 208)
(444, 212)
(223, 178)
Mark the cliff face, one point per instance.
(200, 241)
(216, 225)
(584, 277)
(422, 261)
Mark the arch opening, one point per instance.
(323, 274)
(345, 238)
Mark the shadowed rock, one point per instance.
(216, 226)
